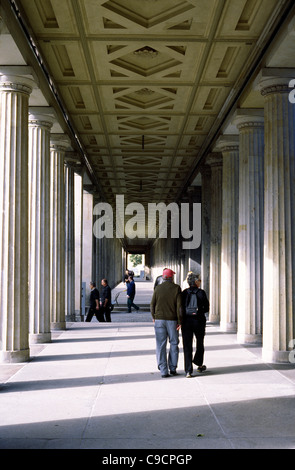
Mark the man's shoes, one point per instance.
(188, 375)
(202, 368)
(173, 372)
(165, 376)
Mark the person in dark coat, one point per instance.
(94, 303)
(105, 301)
(131, 294)
(195, 305)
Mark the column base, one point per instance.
(243, 338)
(13, 357)
(58, 325)
(276, 357)
(71, 318)
(228, 327)
(78, 316)
(38, 338)
(214, 318)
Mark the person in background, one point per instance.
(166, 310)
(195, 305)
(159, 280)
(131, 294)
(105, 301)
(94, 303)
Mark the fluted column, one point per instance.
(70, 241)
(279, 229)
(251, 186)
(215, 161)
(205, 171)
(78, 242)
(229, 146)
(39, 245)
(58, 148)
(14, 306)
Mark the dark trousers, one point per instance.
(97, 313)
(102, 315)
(106, 314)
(131, 304)
(193, 326)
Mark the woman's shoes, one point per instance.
(201, 369)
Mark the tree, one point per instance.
(136, 260)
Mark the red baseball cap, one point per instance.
(168, 272)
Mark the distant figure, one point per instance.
(131, 294)
(127, 274)
(105, 301)
(159, 280)
(94, 302)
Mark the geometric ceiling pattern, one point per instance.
(145, 82)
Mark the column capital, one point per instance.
(16, 83)
(245, 118)
(214, 159)
(60, 142)
(40, 120)
(227, 143)
(271, 80)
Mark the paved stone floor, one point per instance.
(96, 386)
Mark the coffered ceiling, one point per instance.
(147, 83)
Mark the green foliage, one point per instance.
(136, 260)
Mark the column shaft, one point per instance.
(70, 242)
(57, 236)
(215, 161)
(39, 245)
(279, 233)
(205, 256)
(14, 326)
(229, 242)
(251, 223)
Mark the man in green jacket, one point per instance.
(166, 310)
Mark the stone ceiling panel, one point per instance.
(148, 17)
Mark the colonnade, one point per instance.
(254, 271)
(248, 229)
(33, 207)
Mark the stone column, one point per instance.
(70, 241)
(97, 276)
(39, 220)
(251, 186)
(229, 146)
(78, 242)
(205, 254)
(215, 161)
(58, 148)
(14, 211)
(279, 228)
(194, 255)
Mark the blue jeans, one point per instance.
(164, 330)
